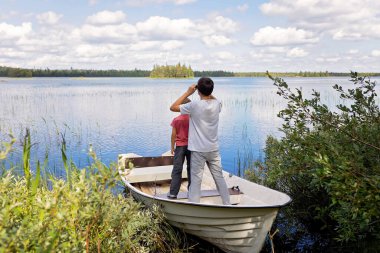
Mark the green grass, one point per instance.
(43, 213)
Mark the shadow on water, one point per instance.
(296, 238)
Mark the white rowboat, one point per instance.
(240, 227)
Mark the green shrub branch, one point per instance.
(328, 160)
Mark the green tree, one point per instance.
(169, 71)
(16, 72)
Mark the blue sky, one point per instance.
(274, 35)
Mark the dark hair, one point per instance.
(205, 86)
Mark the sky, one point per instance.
(230, 35)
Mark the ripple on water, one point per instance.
(121, 115)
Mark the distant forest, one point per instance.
(20, 72)
(165, 71)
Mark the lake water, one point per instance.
(122, 115)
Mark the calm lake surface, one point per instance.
(121, 115)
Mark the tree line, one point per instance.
(160, 71)
(20, 72)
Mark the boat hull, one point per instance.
(241, 227)
(230, 228)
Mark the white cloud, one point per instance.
(150, 2)
(9, 14)
(223, 24)
(333, 59)
(343, 19)
(268, 53)
(189, 57)
(46, 42)
(375, 53)
(261, 56)
(224, 55)
(277, 36)
(106, 18)
(179, 2)
(122, 33)
(107, 27)
(96, 51)
(12, 35)
(144, 45)
(297, 52)
(12, 53)
(216, 40)
(275, 49)
(49, 18)
(172, 44)
(8, 31)
(164, 28)
(321, 11)
(215, 25)
(152, 57)
(211, 41)
(359, 31)
(344, 34)
(308, 8)
(149, 58)
(328, 59)
(243, 7)
(320, 59)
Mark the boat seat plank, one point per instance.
(140, 162)
(152, 174)
(204, 194)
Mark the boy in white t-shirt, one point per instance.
(203, 137)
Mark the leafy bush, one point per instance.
(329, 161)
(78, 214)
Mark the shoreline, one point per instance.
(181, 78)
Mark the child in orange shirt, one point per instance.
(179, 139)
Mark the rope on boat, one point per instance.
(271, 238)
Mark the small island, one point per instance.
(171, 71)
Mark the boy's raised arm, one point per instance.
(175, 106)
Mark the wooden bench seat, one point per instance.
(144, 174)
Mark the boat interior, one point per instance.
(152, 176)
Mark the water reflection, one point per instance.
(120, 115)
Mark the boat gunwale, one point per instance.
(137, 191)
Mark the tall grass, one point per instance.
(43, 213)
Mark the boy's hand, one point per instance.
(172, 151)
(175, 107)
(191, 89)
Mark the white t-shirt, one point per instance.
(203, 124)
